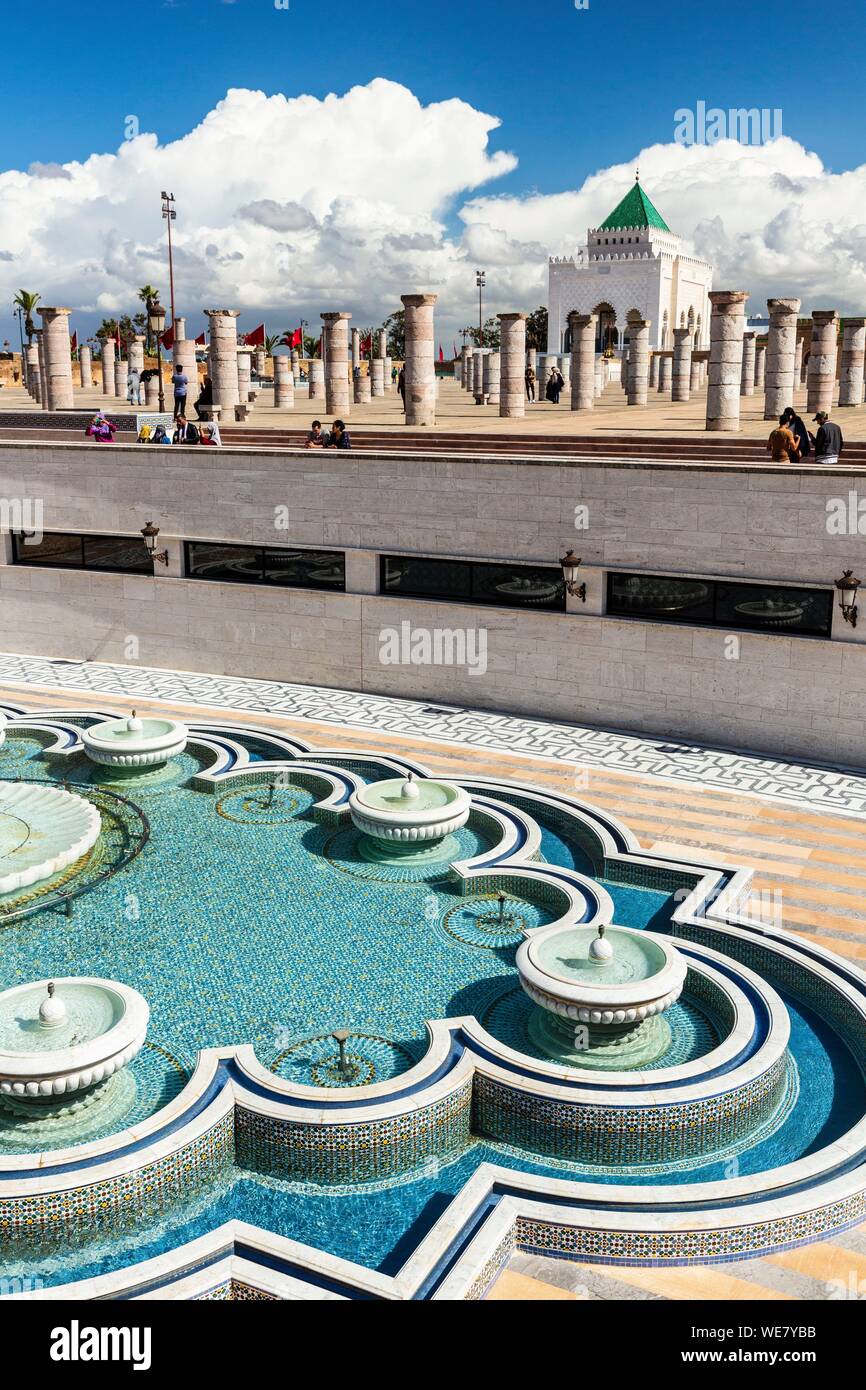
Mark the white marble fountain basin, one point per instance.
(43, 829)
(104, 1026)
(644, 975)
(134, 742)
(409, 810)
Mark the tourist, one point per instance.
(799, 431)
(180, 382)
(529, 378)
(210, 434)
(205, 397)
(338, 437)
(133, 386)
(555, 383)
(159, 436)
(315, 439)
(401, 385)
(782, 443)
(184, 433)
(100, 429)
(828, 441)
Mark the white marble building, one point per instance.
(632, 261)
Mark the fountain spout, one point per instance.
(600, 949)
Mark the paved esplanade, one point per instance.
(512, 371)
(727, 325)
(420, 374)
(336, 363)
(681, 379)
(582, 328)
(821, 378)
(638, 372)
(223, 357)
(851, 384)
(782, 369)
(57, 377)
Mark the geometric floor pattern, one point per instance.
(819, 787)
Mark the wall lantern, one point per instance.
(570, 566)
(847, 587)
(150, 533)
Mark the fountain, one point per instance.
(601, 994)
(63, 1044)
(43, 829)
(402, 818)
(134, 743)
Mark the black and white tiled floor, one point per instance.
(798, 784)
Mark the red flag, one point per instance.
(74, 342)
(200, 341)
(454, 348)
(167, 338)
(441, 354)
(293, 340)
(367, 343)
(256, 338)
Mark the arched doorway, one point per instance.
(606, 336)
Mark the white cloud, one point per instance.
(291, 205)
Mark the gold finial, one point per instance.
(637, 175)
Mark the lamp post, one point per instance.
(570, 565)
(169, 215)
(156, 328)
(847, 588)
(480, 281)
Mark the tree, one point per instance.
(275, 340)
(489, 335)
(536, 329)
(27, 302)
(148, 292)
(395, 328)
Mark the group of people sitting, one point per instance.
(790, 441)
(336, 438)
(184, 432)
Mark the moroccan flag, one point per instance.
(367, 343)
(256, 338)
(73, 344)
(200, 341)
(293, 340)
(441, 354)
(167, 338)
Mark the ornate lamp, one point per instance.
(847, 588)
(570, 566)
(150, 534)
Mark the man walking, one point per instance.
(179, 382)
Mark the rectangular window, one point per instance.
(65, 550)
(771, 608)
(472, 581)
(250, 564)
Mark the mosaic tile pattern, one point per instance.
(797, 784)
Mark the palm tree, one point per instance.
(27, 302)
(148, 292)
(274, 340)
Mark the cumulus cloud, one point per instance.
(291, 205)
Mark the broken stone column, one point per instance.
(532, 361)
(665, 373)
(284, 382)
(491, 377)
(799, 361)
(34, 378)
(420, 370)
(85, 367)
(760, 366)
(362, 386)
(821, 381)
(383, 345)
(57, 354)
(377, 376)
(151, 393)
(681, 376)
(316, 379)
(747, 372)
(727, 325)
(336, 363)
(695, 376)
(582, 327)
(261, 361)
(109, 353)
(296, 367)
(223, 358)
(654, 371)
(853, 353)
(121, 372)
(478, 376)
(136, 354)
(638, 373)
(183, 357)
(245, 375)
(512, 366)
(40, 347)
(356, 348)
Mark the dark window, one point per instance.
(249, 564)
(721, 603)
(471, 581)
(126, 554)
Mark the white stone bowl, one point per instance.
(404, 823)
(605, 1004)
(144, 748)
(45, 1074)
(57, 827)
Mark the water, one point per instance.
(90, 1009)
(566, 955)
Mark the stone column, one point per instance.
(383, 344)
(478, 375)
(336, 363)
(57, 375)
(85, 368)
(222, 355)
(388, 369)
(34, 378)
(121, 371)
(760, 366)
(726, 359)
(316, 379)
(183, 356)
(512, 366)
(109, 352)
(466, 361)
(136, 354)
(853, 353)
(284, 382)
(151, 393)
(261, 360)
(821, 381)
(362, 386)
(681, 378)
(377, 376)
(43, 383)
(665, 373)
(356, 348)
(747, 371)
(296, 367)
(638, 373)
(799, 364)
(694, 376)
(420, 362)
(245, 375)
(492, 364)
(654, 371)
(564, 361)
(532, 361)
(598, 381)
(582, 328)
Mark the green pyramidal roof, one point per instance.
(635, 210)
